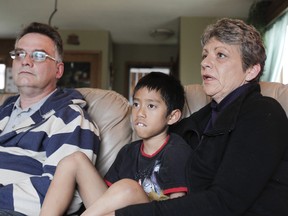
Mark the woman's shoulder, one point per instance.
(264, 104)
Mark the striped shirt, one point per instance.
(30, 152)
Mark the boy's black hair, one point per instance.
(170, 88)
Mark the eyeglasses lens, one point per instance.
(37, 56)
(17, 54)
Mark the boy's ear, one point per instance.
(174, 116)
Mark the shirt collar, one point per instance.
(229, 98)
(33, 107)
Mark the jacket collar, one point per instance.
(230, 109)
(192, 128)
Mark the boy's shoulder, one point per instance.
(177, 141)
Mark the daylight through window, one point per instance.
(2, 76)
(138, 73)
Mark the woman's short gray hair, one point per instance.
(237, 32)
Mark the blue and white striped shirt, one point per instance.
(30, 153)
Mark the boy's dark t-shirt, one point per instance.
(159, 174)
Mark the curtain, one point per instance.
(274, 40)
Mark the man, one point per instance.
(41, 125)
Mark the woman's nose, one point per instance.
(206, 63)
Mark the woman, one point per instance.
(240, 164)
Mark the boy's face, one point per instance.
(149, 114)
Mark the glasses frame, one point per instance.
(32, 55)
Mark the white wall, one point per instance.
(191, 29)
(189, 51)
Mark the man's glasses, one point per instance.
(37, 56)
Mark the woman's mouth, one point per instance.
(207, 77)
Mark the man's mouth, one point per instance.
(25, 72)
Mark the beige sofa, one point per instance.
(111, 112)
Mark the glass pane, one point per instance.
(2, 76)
(137, 73)
(285, 62)
(76, 75)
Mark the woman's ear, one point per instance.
(253, 72)
(174, 116)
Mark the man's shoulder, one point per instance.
(9, 101)
(68, 93)
(63, 98)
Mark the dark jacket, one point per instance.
(239, 165)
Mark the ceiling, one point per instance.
(128, 21)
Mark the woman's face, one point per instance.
(221, 69)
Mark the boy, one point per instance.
(152, 168)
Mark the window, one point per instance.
(276, 42)
(2, 76)
(136, 73)
(284, 71)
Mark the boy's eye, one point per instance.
(151, 106)
(135, 104)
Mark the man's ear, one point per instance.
(60, 70)
(252, 72)
(174, 116)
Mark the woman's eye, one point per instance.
(135, 104)
(221, 55)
